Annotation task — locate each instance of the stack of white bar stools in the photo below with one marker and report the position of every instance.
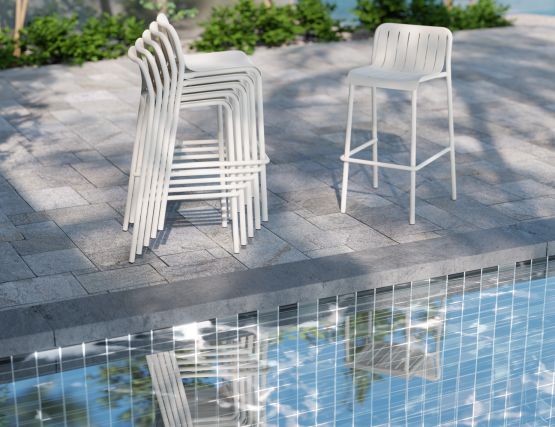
(230, 168)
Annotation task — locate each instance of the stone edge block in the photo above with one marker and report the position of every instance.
(138, 310)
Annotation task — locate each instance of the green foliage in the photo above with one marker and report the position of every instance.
(276, 25)
(56, 39)
(481, 14)
(314, 17)
(48, 40)
(429, 12)
(172, 10)
(230, 28)
(7, 46)
(246, 25)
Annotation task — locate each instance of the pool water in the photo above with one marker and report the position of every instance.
(476, 348)
(344, 8)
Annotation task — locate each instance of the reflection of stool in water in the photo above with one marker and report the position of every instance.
(234, 361)
(399, 360)
(411, 358)
(169, 390)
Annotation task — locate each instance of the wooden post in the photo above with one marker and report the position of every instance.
(163, 6)
(20, 13)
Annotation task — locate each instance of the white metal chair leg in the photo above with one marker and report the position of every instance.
(412, 218)
(242, 219)
(451, 139)
(347, 149)
(262, 142)
(129, 215)
(235, 226)
(375, 137)
(223, 201)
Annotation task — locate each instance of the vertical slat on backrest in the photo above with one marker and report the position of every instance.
(402, 44)
(412, 50)
(380, 45)
(431, 52)
(421, 51)
(441, 53)
(391, 48)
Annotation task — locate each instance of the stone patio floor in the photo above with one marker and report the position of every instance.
(66, 135)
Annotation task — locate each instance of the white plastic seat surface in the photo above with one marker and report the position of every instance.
(202, 62)
(387, 79)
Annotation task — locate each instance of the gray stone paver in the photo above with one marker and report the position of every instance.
(28, 218)
(39, 290)
(12, 265)
(53, 198)
(66, 136)
(120, 278)
(58, 261)
(44, 244)
(8, 233)
(98, 236)
(66, 217)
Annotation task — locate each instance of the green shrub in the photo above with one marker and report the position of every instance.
(246, 25)
(429, 12)
(276, 26)
(54, 39)
(315, 19)
(7, 46)
(230, 28)
(48, 40)
(482, 14)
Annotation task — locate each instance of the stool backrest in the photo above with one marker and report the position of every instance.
(412, 48)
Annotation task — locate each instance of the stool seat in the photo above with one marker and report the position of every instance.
(387, 79)
(203, 62)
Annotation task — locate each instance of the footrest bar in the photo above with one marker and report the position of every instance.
(373, 163)
(431, 159)
(363, 146)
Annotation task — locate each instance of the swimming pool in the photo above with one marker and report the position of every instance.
(542, 7)
(476, 348)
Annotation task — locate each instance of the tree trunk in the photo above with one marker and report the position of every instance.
(105, 7)
(163, 6)
(20, 13)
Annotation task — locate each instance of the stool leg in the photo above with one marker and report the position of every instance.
(221, 148)
(412, 218)
(375, 137)
(451, 139)
(347, 149)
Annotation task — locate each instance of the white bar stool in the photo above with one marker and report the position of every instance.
(403, 57)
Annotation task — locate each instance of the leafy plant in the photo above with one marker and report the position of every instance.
(7, 45)
(276, 25)
(54, 39)
(171, 9)
(230, 28)
(315, 19)
(246, 25)
(481, 14)
(48, 39)
(429, 12)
